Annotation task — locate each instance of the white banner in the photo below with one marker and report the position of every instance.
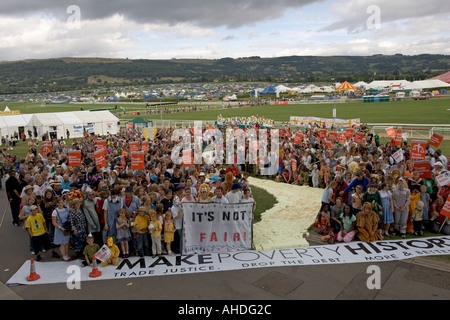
(89, 127)
(353, 252)
(212, 227)
(443, 179)
(398, 156)
(78, 130)
(300, 121)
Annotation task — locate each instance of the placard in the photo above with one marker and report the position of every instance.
(100, 160)
(298, 138)
(398, 156)
(144, 146)
(100, 145)
(446, 208)
(137, 160)
(424, 169)
(187, 158)
(134, 146)
(349, 133)
(342, 137)
(443, 179)
(398, 138)
(46, 148)
(333, 136)
(418, 149)
(436, 140)
(390, 132)
(74, 157)
(359, 136)
(322, 133)
(103, 253)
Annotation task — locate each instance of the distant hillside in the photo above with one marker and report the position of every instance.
(78, 73)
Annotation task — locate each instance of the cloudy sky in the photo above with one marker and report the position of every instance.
(156, 29)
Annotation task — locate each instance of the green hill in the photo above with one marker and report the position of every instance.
(78, 73)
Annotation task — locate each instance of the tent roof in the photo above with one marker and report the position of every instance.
(427, 84)
(387, 83)
(346, 86)
(68, 118)
(16, 120)
(88, 116)
(268, 89)
(46, 119)
(443, 77)
(105, 115)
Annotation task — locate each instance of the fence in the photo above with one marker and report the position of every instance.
(412, 131)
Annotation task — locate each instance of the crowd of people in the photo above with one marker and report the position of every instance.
(83, 207)
(367, 194)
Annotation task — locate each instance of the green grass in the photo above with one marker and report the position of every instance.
(433, 111)
(264, 201)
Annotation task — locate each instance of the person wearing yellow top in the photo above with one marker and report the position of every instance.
(155, 229)
(142, 221)
(37, 229)
(169, 231)
(115, 252)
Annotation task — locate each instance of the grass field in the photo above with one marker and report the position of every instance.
(433, 111)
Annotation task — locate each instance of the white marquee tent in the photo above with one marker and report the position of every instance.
(98, 122)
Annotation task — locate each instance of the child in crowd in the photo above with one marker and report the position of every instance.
(123, 231)
(417, 217)
(89, 251)
(142, 221)
(169, 230)
(37, 229)
(155, 229)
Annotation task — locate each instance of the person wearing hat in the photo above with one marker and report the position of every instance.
(235, 195)
(56, 185)
(367, 223)
(131, 202)
(438, 168)
(27, 192)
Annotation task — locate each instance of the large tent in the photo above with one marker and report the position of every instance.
(346, 86)
(56, 124)
(443, 77)
(268, 89)
(426, 84)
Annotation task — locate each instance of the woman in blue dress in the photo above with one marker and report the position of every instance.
(388, 208)
(111, 207)
(62, 237)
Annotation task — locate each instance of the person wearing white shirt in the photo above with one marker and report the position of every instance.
(235, 195)
(248, 199)
(219, 198)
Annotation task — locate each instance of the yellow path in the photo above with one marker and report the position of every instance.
(285, 224)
